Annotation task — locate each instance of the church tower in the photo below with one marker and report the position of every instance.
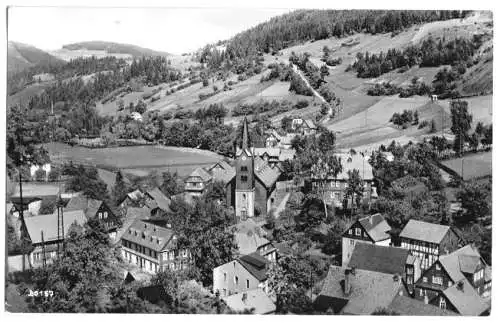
(245, 182)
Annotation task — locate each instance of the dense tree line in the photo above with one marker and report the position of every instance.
(153, 70)
(415, 88)
(264, 106)
(430, 53)
(406, 118)
(305, 25)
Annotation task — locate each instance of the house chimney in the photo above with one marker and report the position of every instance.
(347, 282)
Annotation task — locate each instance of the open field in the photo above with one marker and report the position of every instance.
(370, 128)
(378, 114)
(481, 108)
(140, 158)
(475, 165)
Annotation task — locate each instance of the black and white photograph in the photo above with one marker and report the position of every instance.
(248, 160)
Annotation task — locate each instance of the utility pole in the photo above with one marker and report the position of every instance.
(21, 216)
(44, 262)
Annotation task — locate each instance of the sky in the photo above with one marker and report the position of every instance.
(174, 30)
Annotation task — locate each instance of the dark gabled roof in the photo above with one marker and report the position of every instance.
(222, 171)
(309, 123)
(26, 200)
(255, 264)
(424, 231)
(376, 226)
(384, 259)
(369, 289)
(201, 173)
(161, 200)
(265, 173)
(48, 224)
(81, 202)
(406, 306)
(149, 235)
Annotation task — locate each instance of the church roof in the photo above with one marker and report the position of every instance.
(222, 171)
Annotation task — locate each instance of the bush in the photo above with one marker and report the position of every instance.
(301, 104)
(54, 175)
(40, 175)
(147, 95)
(333, 62)
(423, 123)
(47, 207)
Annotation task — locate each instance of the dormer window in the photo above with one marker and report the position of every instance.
(358, 231)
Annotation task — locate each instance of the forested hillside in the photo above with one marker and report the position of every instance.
(306, 25)
(111, 47)
(21, 56)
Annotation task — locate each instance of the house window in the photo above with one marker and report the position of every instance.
(437, 280)
(244, 178)
(438, 267)
(409, 270)
(244, 168)
(350, 231)
(449, 283)
(105, 214)
(358, 231)
(248, 283)
(236, 280)
(352, 242)
(225, 277)
(421, 292)
(442, 303)
(424, 279)
(224, 291)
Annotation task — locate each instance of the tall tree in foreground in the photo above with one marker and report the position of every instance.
(354, 188)
(87, 277)
(22, 152)
(203, 228)
(326, 167)
(460, 123)
(120, 188)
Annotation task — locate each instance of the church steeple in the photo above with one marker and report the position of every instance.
(245, 141)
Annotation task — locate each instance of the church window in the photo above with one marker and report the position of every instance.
(244, 168)
(244, 178)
